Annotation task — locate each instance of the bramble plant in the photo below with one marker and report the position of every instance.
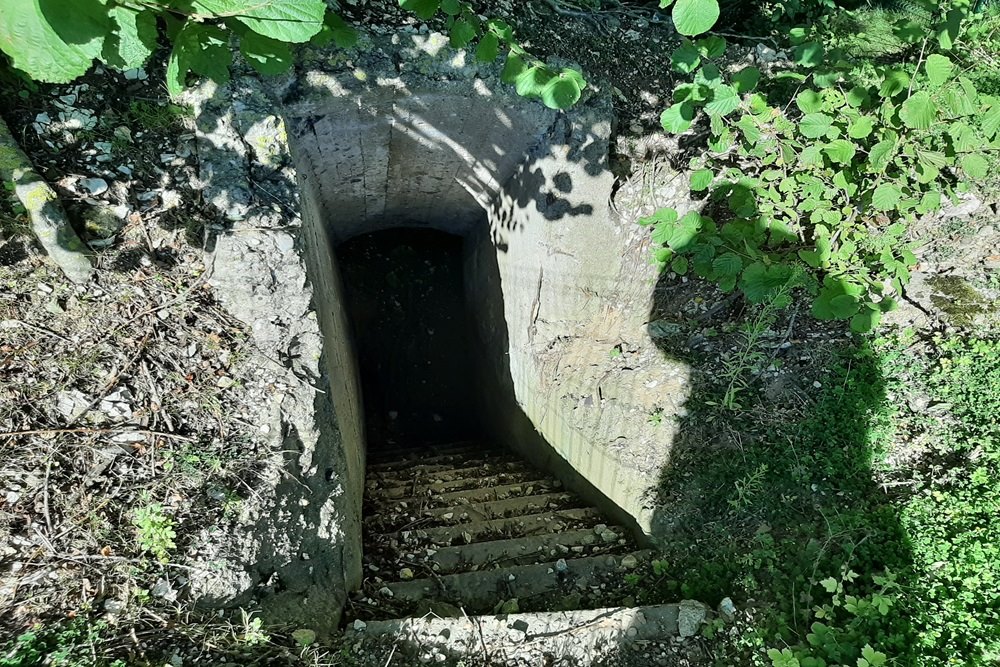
(823, 163)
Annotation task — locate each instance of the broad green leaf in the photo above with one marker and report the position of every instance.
(860, 128)
(880, 155)
(809, 54)
(267, 56)
(815, 125)
(939, 68)
(677, 117)
(563, 90)
(133, 40)
(886, 196)
(667, 215)
(488, 49)
(844, 306)
(701, 179)
(975, 165)
(990, 121)
(865, 321)
(727, 264)
(462, 32)
(40, 44)
(950, 30)
(724, 101)
(693, 17)
(858, 96)
(425, 9)
(344, 34)
(746, 79)
(709, 75)
(759, 281)
(840, 151)
(919, 111)
(684, 231)
(532, 80)
(809, 101)
(293, 21)
(685, 58)
(811, 155)
(679, 265)
(451, 7)
(712, 46)
(513, 67)
(931, 201)
(894, 82)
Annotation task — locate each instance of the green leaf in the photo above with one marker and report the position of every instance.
(701, 179)
(727, 264)
(919, 111)
(488, 49)
(533, 80)
(974, 165)
(760, 281)
(41, 44)
(815, 125)
(809, 54)
(894, 82)
(685, 58)
(679, 265)
(563, 90)
(451, 7)
(858, 96)
(990, 121)
(667, 215)
(693, 17)
(293, 21)
(939, 68)
(746, 79)
(724, 101)
(712, 47)
(684, 231)
(133, 40)
(344, 34)
(840, 151)
(677, 117)
(809, 101)
(950, 30)
(866, 320)
(880, 155)
(886, 196)
(425, 9)
(267, 56)
(462, 32)
(513, 67)
(860, 128)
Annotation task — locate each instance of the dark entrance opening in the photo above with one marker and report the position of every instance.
(406, 301)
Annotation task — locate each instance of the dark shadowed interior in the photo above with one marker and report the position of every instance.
(406, 302)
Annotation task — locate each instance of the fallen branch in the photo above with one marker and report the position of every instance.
(95, 431)
(48, 220)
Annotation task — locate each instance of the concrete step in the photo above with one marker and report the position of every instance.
(526, 550)
(479, 531)
(536, 587)
(418, 451)
(408, 518)
(582, 637)
(445, 473)
(428, 498)
(435, 483)
(441, 462)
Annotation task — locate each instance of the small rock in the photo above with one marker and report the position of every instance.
(690, 617)
(561, 566)
(163, 589)
(406, 574)
(225, 382)
(360, 625)
(727, 610)
(385, 591)
(609, 536)
(510, 607)
(114, 606)
(630, 562)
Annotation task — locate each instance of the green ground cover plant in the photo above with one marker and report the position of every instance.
(875, 541)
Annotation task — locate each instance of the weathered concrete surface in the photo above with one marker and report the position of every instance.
(407, 132)
(558, 638)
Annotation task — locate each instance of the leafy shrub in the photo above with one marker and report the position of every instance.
(154, 530)
(68, 644)
(824, 163)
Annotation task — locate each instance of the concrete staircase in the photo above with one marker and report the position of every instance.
(467, 548)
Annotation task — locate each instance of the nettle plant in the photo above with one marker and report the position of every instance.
(822, 163)
(57, 41)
